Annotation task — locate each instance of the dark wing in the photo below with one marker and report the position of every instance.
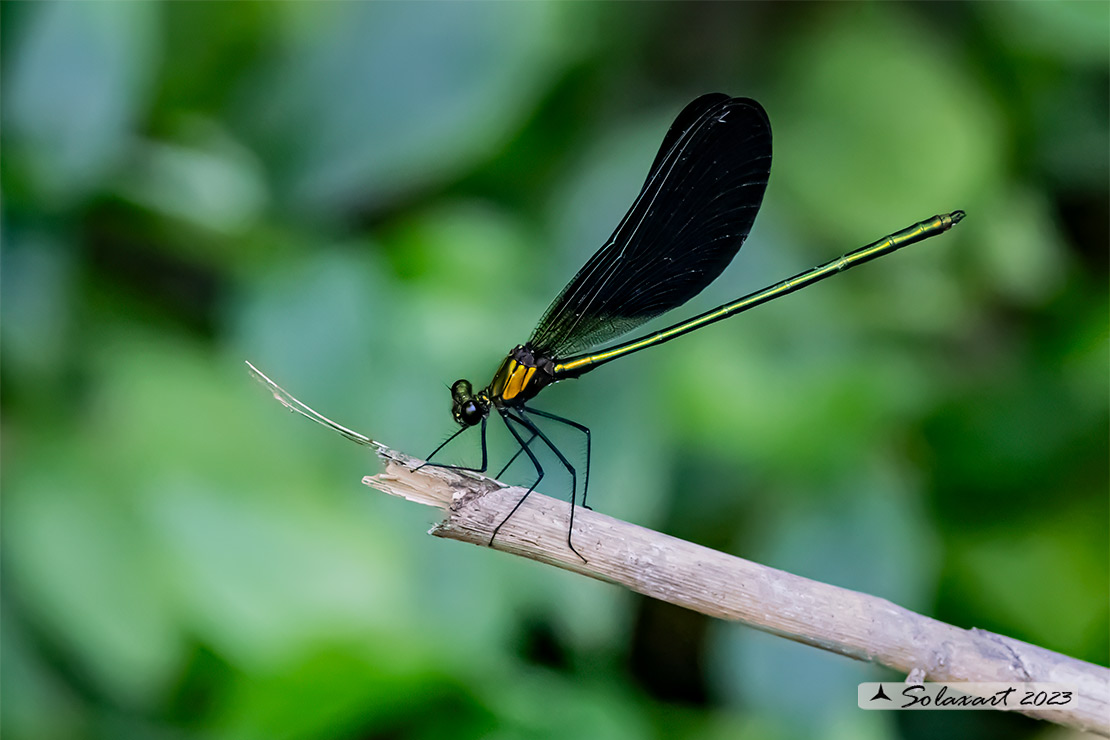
(689, 220)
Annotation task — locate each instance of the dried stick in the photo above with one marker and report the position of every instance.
(836, 619)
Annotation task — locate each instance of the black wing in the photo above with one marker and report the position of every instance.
(689, 220)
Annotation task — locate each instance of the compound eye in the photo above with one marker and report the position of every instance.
(470, 414)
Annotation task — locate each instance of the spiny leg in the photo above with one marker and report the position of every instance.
(580, 427)
(531, 426)
(458, 467)
(535, 462)
(515, 456)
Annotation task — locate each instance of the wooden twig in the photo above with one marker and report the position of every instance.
(836, 619)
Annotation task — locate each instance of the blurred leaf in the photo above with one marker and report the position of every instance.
(874, 121)
(37, 282)
(236, 565)
(1046, 585)
(538, 704)
(1070, 133)
(867, 534)
(796, 407)
(209, 180)
(36, 704)
(1070, 30)
(752, 668)
(313, 319)
(94, 587)
(381, 98)
(331, 693)
(1019, 246)
(77, 87)
(456, 257)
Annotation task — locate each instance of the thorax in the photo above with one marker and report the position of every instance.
(523, 374)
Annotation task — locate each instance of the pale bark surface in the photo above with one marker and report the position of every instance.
(842, 621)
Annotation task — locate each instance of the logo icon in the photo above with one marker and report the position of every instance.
(880, 694)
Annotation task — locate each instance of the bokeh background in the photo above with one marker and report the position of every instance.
(372, 200)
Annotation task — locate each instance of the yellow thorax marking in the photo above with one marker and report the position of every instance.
(517, 380)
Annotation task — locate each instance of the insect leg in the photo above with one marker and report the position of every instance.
(458, 467)
(580, 427)
(531, 456)
(515, 456)
(531, 426)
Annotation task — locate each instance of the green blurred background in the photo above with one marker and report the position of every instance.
(370, 201)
